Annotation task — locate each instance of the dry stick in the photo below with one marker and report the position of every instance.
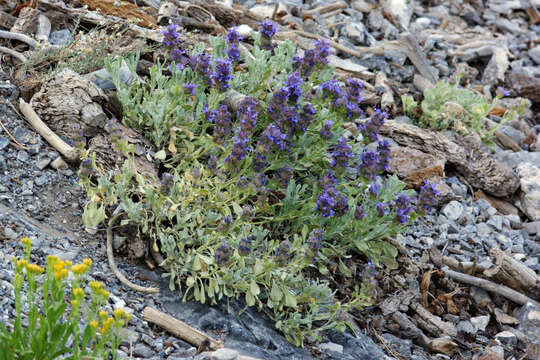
(117, 273)
(327, 8)
(180, 329)
(21, 37)
(17, 144)
(69, 152)
(13, 53)
(502, 290)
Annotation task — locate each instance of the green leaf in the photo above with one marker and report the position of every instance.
(275, 293)
(160, 155)
(290, 299)
(254, 288)
(258, 268)
(250, 299)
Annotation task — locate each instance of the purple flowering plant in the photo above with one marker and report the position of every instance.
(259, 179)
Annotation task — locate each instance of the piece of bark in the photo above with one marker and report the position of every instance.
(408, 44)
(514, 274)
(327, 8)
(525, 85)
(443, 345)
(180, 329)
(476, 165)
(7, 20)
(122, 9)
(504, 207)
(445, 327)
(43, 29)
(502, 290)
(534, 17)
(421, 83)
(67, 151)
(506, 142)
(496, 68)
(95, 18)
(387, 98)
(26, 23)
(410, 328)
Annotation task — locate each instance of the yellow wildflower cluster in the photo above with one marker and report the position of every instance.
(26, 241)
(34, 269)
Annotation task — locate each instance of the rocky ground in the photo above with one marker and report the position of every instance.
(424, 310)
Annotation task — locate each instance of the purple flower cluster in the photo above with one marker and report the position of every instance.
(171, 36)
(359, 212)
(245, 245)
(284, 175)
(369, 279)
(373, 163)
(272, 139)
(221, 118)
(79, 140)
(313, 58)
(328, 180)
(374, 188)
(212, 164)
(268, 29)
(282, 251)
(314, 243)
(347, 99)
(247, 212)
(86, 167)
(223, 254)
(189, 88)
(341, 154)
(427, 198)
(233, 40)
(331, 203)
(326, 131)
(370, 129)
(222, 74)
(382, 208)
(225, 223)
(247, 115)
(404, 208)
(259, 162)
(167, 181)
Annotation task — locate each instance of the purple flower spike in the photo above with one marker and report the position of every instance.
(268, 28)
(382, 208)
(222, 74)
(427, 198)
(171, 35)
(341, 154)
(233, 40)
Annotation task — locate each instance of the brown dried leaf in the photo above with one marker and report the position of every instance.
(424, 287)
(504, 318)
(172, 142)
(443, 345)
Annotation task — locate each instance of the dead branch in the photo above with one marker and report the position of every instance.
(13, 53)
(17, 144)
(116, 271)
(20, 37)
(444, 326)
(66, 150)
(327, 8)
(502, 290)
(514, 274)
(180, 329)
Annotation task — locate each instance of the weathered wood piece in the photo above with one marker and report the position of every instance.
(69, 152)
(476, 165)
(514, 274)
(20, 37)
(13, 53)
(180, 329)
(445, 327)
(502, 290)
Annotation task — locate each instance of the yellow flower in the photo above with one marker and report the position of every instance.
(95, 285)
(104, 293)
(68, 263)
(61, 274)
(103, 315)
(75, 303)
(78, 293)
(34, 269)
(22, 263)
(107, 325)
(26, 241)
(52, 260)
(119, 313)
(79, 269)
(94, 324)
(87, 262)
(59, 266)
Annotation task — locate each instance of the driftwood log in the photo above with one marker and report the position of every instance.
(502, 290)
(514, 274)
(180, 329)
(475, 164)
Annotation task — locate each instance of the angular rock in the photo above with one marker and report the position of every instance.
(497, 66)
(526, 85)
(534, 54)
(331, 346)
(506, 338)
(529, 324)
(453, 210)
(480, 322)
(225, 354)
(530, 186)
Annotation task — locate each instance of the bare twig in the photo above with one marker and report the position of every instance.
(180, 329)
(21, 37)
(69, 152)
(117, 273)
(13, 53)
(18, 144)
(327, 8)
(502, 290)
